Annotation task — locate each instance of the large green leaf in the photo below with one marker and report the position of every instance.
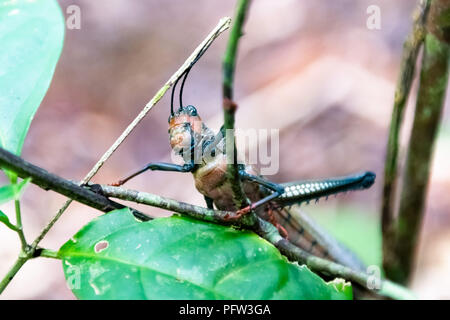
(31, 39)
(117, 257)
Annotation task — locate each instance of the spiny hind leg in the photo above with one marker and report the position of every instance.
(209, 202)
(305, 191)
(157, 166)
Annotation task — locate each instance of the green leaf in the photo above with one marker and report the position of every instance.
(31, 37)
(4, 218)
(117, 257)
(12, 191)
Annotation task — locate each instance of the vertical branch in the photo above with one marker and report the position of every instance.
(411, 49)
(430, 102)
(229, 107)
(12, 272)
(19, 226)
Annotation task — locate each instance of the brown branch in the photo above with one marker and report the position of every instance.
(411, 50)
(430, 102)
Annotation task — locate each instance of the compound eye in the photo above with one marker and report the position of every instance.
(191, 110)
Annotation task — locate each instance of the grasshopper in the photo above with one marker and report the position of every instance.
(205, 156)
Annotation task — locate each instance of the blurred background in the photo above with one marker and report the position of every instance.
(311, 69)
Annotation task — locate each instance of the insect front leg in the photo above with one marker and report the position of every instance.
(158, 166)
(209, 202)
(262, 181)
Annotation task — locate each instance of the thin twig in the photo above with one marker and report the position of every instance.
(229, 107)
(163, 203)
(10, 225)
(411, 50)
(223, 25)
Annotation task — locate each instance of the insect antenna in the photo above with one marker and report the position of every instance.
(182, 85)
(185, 74)
(172, 95)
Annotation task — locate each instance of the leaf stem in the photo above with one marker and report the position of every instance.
(12, 272)
(19, 227)
(47, 253)
(10, 226)
(24, 257)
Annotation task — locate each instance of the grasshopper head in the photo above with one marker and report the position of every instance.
(185, 129)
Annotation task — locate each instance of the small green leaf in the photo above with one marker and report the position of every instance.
(3, 217)
(12, 191)
(31, 37)
(117, 257)
(5, 220)
(11, 175)
(7, 193)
